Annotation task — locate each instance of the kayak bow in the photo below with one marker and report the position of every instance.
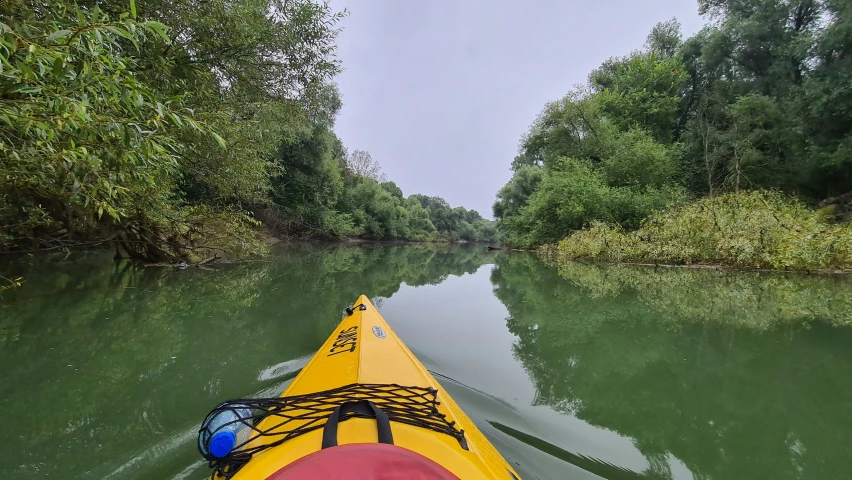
(365, 385)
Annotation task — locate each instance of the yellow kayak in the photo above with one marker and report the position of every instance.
(363, 407)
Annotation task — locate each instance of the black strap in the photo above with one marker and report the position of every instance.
(361, 408)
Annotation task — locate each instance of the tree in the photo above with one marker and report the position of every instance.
(638, 160)
(513, 196)
(175, 129)
(420, 225)
(755, 100)
(136, 148)
(642, 90)
(665, 39)
(361, 164)
(756, 142)
(573, 126)
(392, 189)
(574, 193)
(466, 231)
(88, 149)
(307, 185)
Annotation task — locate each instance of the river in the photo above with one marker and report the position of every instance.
(576, 372)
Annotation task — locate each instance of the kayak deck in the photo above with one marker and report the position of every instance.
(363, 359)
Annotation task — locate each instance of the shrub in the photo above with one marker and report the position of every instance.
(573, 194)
(756, 229)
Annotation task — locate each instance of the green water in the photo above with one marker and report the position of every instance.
(579, 372)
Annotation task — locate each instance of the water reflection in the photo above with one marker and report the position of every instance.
(739, 376)
(107, 362)
(573, 372)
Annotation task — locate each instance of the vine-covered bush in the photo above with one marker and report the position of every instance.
(756, 229)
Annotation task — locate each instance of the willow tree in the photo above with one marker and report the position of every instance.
(152, 127)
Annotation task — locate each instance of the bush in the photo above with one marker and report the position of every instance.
(574, 194)
(757, 229)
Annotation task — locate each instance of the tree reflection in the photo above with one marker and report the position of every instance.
(740, 376)
(101, 359)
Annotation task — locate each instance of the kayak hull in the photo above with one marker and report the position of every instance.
(364, 350)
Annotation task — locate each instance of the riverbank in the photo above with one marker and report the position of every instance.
(550, 255)
(11, 280)
(746, 230)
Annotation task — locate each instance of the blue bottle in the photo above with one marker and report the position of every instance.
(224, 429)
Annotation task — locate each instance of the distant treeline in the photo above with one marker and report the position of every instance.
(176, 128)
(758, 100)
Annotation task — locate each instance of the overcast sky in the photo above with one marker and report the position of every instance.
(440, 91)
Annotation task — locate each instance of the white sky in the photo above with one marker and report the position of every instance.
(440, 91)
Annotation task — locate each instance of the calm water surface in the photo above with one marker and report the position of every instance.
(578, 372)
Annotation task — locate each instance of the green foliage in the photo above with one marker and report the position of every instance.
(419, 219)
(755, 100)
(456, 223)
(572, 194)
(571, 127)
(392, 189)
(84, 142)
(376, 213)
(747, 229)
(113, 131)
(756, 139)
(379, 211)
(642, 90)
(230, 231)
(513, 196)
(307, 183)
(178, 124)
(637, 160)
(665, 39)
(597, 163)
